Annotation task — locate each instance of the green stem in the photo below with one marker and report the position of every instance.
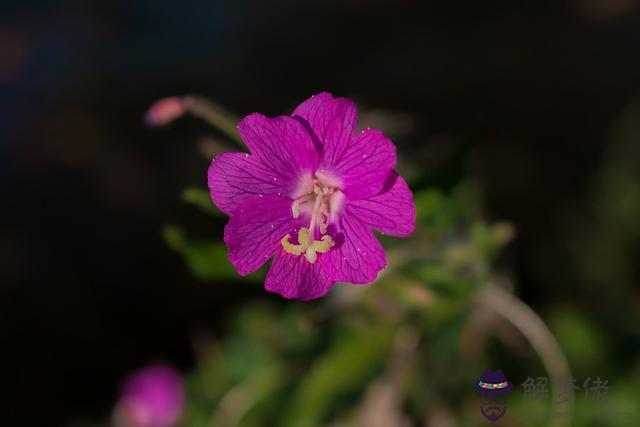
(215, 115)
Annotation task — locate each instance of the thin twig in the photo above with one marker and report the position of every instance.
(543, 342)
(213, 114)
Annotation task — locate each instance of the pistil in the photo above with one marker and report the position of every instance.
(307, 245)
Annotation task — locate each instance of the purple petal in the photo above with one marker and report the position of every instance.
(333, 120)
(283, 144)
(392, 211)
(236, 177)
(357, 256)
(365, 165)
(255, 229)
(294, 277)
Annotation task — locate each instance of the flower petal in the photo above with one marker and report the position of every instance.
(333, 121)
(254, 231)
(294, 277)
(365, 165)
(357, 256)
(392, 211)
(234, 178)
(283, 144)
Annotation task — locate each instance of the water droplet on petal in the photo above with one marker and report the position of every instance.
(275, 179)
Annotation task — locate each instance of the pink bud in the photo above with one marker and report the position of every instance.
(152, 397)
(164, 111)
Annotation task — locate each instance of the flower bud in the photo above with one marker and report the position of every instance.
(152, 397)
(164, 111)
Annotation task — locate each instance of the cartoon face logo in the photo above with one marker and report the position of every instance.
(493, 390)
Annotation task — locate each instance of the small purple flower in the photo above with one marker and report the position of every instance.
(152, 397)
(309, 196)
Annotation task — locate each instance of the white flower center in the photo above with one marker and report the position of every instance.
(320, 197)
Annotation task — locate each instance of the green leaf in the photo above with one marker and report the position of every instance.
(442, 212)
(240, 400)
(346, 368)
(443, 281)
(435, 210)
(580, 339)
(200, 198)
(207, 260)
(272, 329)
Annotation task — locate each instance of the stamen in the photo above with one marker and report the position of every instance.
(324, 219)
(323, 193)
(314, 215)
(295, 210)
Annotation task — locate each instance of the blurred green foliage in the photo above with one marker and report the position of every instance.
(205, 258)
(309, 364)
(408, 349)
(200, 198)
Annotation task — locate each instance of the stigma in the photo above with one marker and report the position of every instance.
(307, 245)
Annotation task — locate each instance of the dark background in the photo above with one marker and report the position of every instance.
(88, 289)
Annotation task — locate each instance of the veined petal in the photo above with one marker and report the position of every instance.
(333, 121)
(294, 277)
(392, 211)
(365, 165)
(357, 256)
(283, 144)
(234, 178)
(255, 229)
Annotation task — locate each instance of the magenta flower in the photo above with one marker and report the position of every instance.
(152, 397)
(309, 196)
